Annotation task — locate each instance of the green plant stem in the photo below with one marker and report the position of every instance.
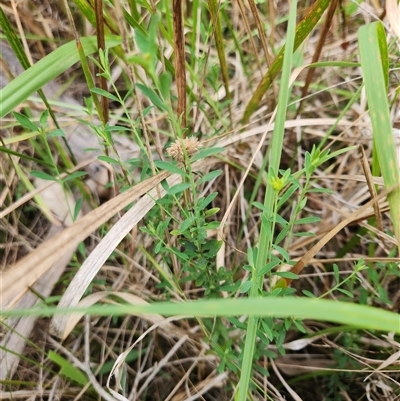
(266, 232)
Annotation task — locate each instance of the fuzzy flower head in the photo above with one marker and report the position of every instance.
(176, 150)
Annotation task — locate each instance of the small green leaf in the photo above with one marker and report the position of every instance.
(155, 99)
(299, 326)
(158, 247)
(267, 330)
(345, 292)
(209, 176)
(113, 128)
(308, 220)
(108, 159)
(202, 154)
(282, 234)
(252, 255)
(77, 208)
(24, 157)
(212, 247)
(172, 168)
(308, 293)
(178, 188)
(203, 203)
(248, 268)
(276, 291)
(165, 186)
(43, 118)
(56, 133)
(211, 212)
(282, 252)
(268, 267)
(26, 122)
(165, 85)
(68, 369)
(336, 273)
(106, 94)
(186, 224)
(74, 175)
(288, 194)
(42, 175)
(260, 206)
(289, 275)
(212, 225)
(245, 287)
(145, 42)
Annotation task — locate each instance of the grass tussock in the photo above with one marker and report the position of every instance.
(212, 188)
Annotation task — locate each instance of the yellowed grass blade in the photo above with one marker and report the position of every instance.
(100, 254)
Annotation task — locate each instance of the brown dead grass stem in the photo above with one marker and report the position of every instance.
(180, 68)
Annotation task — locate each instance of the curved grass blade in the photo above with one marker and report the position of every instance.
(374, 64)
(274, 154)
(355, 315)
(13, 40)
(45, 71)
(19, 51)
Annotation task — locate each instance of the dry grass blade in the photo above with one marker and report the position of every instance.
(260, 30)
(196, 392)
(14, 340)
(18, 278)
(294, 395)
(180, 68)
(242, 9)
(94, 262)
(393, 15)
(115, 371)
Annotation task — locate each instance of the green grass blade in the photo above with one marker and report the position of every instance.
(45, 71)
(85, 8)
(68, 369)
(302, 31)
(374, 63)
(13, 40)
(355, 315)
(264, 241)
(19, 51)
